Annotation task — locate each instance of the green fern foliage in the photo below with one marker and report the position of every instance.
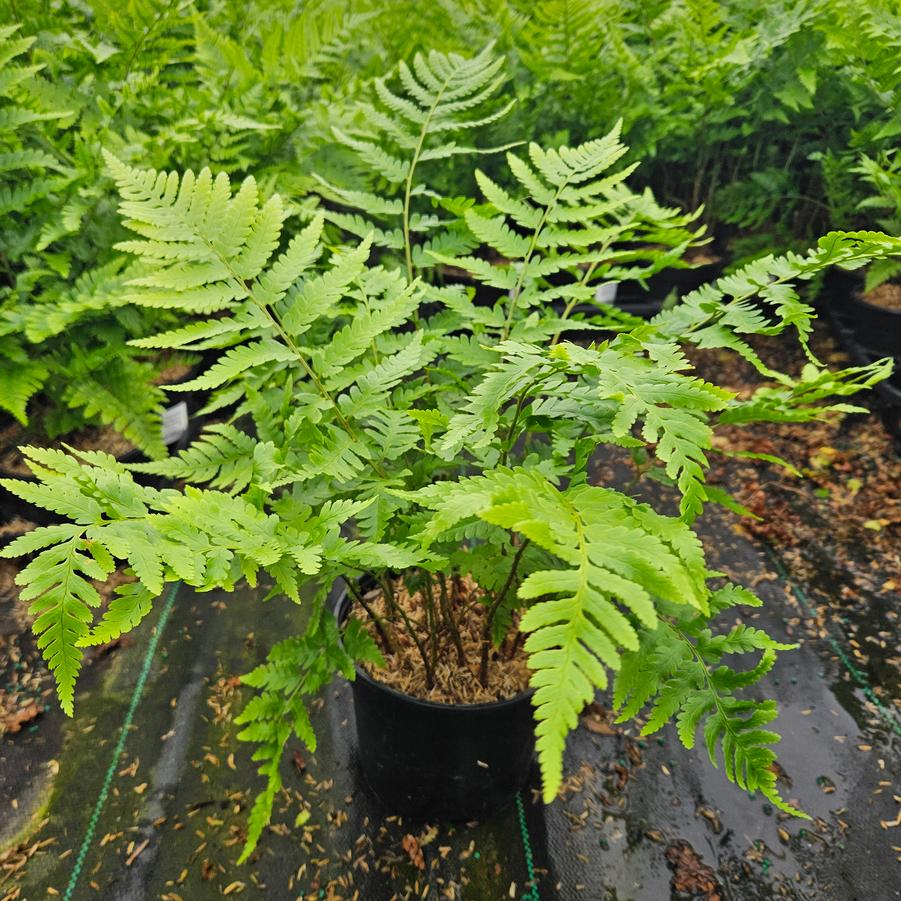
(417, 118)
(28, 174)
(616, 558)
(204, 538)
(678, 669)
(568, 231)
(374, 422)
(562, 39)
(883, 175)
(224, 457)
(28, 171)
(295, 668)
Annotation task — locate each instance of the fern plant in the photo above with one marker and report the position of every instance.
(29, 173)
(883, 175)
(357, 443)
(163, 85)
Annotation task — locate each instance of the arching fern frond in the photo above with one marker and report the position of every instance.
(204, 538)
(617, 559)
(721, 312)
(672, 407)
(294, 670)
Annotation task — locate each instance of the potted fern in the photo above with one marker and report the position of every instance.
(434, 453)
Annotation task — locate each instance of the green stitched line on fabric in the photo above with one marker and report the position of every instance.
(120, 744)
(532, 892)
(859, 677)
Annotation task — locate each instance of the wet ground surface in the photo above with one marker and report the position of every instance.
(640, 819)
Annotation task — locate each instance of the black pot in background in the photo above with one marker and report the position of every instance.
(877, 329)
(867, 333)
(440, 761)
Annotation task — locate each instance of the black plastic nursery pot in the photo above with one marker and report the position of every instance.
(434, 761)
(867, 333)
(878, 329)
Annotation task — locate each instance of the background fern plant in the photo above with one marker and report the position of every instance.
(376, 424)
(164, 85)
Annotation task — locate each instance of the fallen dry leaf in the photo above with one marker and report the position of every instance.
(596, 719)
(13, 722)
(134, 854)
(410, 844)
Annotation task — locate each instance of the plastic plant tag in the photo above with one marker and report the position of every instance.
(606, 293)
(175, 422)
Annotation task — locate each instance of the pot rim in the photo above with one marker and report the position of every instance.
(342, 609)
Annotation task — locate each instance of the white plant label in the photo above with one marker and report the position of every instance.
(606, 293)
(175, 422)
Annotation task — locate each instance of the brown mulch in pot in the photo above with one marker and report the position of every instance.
(887, 296)
(454, 683)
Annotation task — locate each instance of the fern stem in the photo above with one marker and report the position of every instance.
(567, 310)
(408, 185)
(449, 621)
(431, 619)
(510, 438)
(492, 612)
(292, 346)
(380, 625)
(533, 242)
(271, 315)
(717, 700)
(396, 608)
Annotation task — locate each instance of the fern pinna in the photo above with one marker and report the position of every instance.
(363, 433)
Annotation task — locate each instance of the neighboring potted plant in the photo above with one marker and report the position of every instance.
(865, 311)
(439, 464)
(874, 307)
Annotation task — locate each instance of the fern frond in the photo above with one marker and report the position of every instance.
(381, 314)
(119, 393)
(202, 244)
(58, 584)
(415, 121)
(569, 221)
(205, 538)
(131, 603)
(724, 304)
(677, 669)
(294, 669)
(20, 380)
(521, 368)
(223, 457)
